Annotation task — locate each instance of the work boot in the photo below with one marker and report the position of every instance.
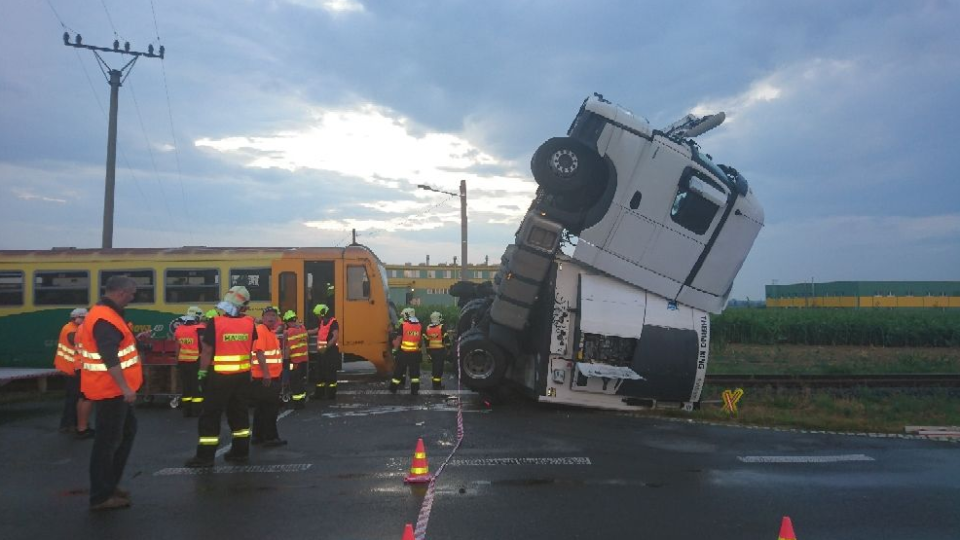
(239, 450)
(319, 391)
(332, 391)
(204, 457)
(414, 389)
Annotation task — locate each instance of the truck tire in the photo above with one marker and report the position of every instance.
(471, 314)
(564, 165)
(482, 363)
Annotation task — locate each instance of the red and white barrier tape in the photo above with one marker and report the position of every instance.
(420, 533)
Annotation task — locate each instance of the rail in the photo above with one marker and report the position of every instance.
(900, 380)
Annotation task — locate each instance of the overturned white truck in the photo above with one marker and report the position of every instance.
(661, 232)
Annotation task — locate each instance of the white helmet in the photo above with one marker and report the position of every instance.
(408, 313)
(436, 317)
(79, 312)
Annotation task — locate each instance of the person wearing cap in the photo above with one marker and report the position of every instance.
(76, 409)
(224, 376)
(328, 336)
(437, 341)
(265, 383)
(295, 355)
(409, 355)
(187, 351)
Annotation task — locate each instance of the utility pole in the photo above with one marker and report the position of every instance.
(463, 221)
(114, 80)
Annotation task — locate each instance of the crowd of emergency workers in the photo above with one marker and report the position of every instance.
(227, 363)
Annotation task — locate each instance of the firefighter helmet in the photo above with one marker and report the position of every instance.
(408, 313)
(290, 315)
(194, 311)
(320, 310)
(79, 312)
(436, 317)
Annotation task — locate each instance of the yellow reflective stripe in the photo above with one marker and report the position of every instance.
(395, 381)
(231, 357)
(321, 343)
(198, 400)
(103, 367)
(419, 470)
(298, 397)
(241, 433)
(321, 385)
(64, 348)
(297, 337)
(209, 441)
(231, 367)
(186, 400)
(127, 350)
(415, 380)
(332, 384)
(436, 379)
(296, 354)
(409, 346)
(273, 360)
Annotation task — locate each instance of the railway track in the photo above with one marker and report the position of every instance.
(928, 380)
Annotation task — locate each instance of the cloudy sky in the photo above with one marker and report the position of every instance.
(291, 122)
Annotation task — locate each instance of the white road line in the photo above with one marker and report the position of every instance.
(805, 459)
(373, 411)
(401, 392)
(223, 450)
(229, 469)
(488, 462)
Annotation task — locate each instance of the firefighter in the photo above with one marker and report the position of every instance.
(295, 355)
(409, 355)
(187, 351)
(437, 342)
(76, 409)
(111, 375)
(265, 383)
(226, 347)
(328, 335)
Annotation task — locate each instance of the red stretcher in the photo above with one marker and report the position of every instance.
(160, 378)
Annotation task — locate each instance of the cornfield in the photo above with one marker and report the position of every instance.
(864, 327)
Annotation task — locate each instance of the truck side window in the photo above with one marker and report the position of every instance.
(696, 203)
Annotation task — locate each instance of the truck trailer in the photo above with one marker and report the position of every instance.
(623, 322)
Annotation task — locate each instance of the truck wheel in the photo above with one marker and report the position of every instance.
(470, 314)
(564, 165)
(481, 361)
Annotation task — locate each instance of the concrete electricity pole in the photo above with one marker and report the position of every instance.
(115, 81)
(463, 221)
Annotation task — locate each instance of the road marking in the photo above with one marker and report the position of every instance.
(401, 392)
(223, 450)
(437, 407)
(488, 462)
(805, 459)
(230, 469)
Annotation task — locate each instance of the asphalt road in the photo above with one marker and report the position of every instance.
(523, 471)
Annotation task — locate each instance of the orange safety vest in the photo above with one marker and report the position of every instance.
(189, 339)
(434, 336)
(66, 352)
(267, 342)
(411, 337)
(297, 339)
(234, 341)
(96, 383)
(323, 333)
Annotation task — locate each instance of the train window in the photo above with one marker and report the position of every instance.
(288, 291)
(256, 280)
(61, 288)
(146, 287)
(11, 288)
(358, 283)
(192, 285)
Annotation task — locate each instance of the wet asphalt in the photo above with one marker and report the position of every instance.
(523, 471)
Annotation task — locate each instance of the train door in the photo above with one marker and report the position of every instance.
(287, 295)
(319, 287)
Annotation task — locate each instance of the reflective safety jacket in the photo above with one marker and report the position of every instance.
(96, 383)
(323, 333)
(410, 339)
(434, 335)
(297, 340)
(188, 337)
(65, 360)
(267, 342)
(232, 345)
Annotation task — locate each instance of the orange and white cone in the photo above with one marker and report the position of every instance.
(419, 470)
(786, 529)
(408, 533)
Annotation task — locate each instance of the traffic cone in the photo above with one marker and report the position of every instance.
(786, 529)
(408, 533)
(419, 470)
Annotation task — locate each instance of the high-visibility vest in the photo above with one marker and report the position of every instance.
(96, 383)
(65, 360)
(434, 335)
(323, 333)
(189, 339)
(233, 343)
(267, 342)
(297, 340)
(411, 336)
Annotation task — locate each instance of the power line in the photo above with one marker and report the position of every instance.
(109, 18)
(146, 138)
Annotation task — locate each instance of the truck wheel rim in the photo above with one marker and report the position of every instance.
(564, 162)
(479, 364)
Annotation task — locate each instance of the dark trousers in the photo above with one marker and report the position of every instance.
(437, 358)
(327, 381)
(407, 361)
(230, 394)
(71, 389)
(298, 383)
(190, 397)
(266, 406)
(116, 429)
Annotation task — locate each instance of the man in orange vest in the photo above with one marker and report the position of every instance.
(328, 337)
(265, 386)
(110, 377)
(409, 355)
(225, 353)
(187, 351)
(436, 339)
(295, 354)
(76, 409)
